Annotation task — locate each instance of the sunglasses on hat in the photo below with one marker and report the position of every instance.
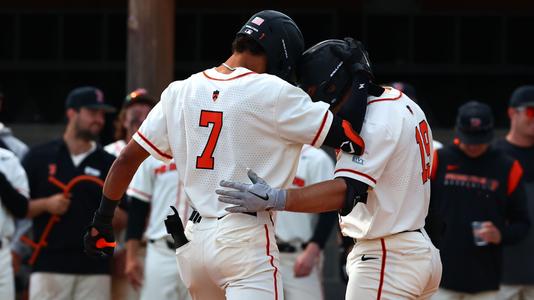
(529, 111)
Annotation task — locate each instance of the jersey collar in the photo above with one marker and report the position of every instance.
(215, 75)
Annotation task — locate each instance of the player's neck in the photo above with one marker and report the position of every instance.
(75, 144)
(517, 139)
(255, 63)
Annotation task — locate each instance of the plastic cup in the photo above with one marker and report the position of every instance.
(477, 225)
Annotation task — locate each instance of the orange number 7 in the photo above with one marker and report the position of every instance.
(206, 160)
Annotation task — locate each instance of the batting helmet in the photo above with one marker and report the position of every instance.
(279, 37)
(322, 74)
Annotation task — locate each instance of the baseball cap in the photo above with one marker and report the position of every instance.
(89, 97)
(474, 123)
(140, 96)
(522, 96)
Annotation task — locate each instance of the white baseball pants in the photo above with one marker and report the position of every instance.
(400, 266)
(7, 283)
(56, 286)
(235, 256)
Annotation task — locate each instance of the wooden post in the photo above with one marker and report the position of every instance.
(150, 45)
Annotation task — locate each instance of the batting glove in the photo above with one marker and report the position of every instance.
(258, 196)
(356, 56)
(102, 242)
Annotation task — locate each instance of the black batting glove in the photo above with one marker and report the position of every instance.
(99, 239)
(355, 57)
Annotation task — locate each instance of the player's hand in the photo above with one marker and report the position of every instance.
(134, 272)
(258, 196)
(356, 57)
(99, 239)
(57, 204)
(489, 233)
(307, 260)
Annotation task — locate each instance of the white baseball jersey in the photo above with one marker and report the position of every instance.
(216, 125)
(395, 165)
(115, 148)
(314, 166)
(15, 174)
(159, 184)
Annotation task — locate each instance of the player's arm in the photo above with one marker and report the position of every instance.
(99, 241)
(13, 200)
(137, 215)
(516, 208)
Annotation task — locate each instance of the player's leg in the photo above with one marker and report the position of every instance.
(246, 258)
(189, 259)
(7, 284)
(51, 286)
(400, 266)
(295, 288)
(510, 292)
(435, 277)
(161, 279)
(94, 287)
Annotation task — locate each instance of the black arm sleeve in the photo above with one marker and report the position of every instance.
(356, 192)
(353, 110)
(324, 226)
(137, 214)
(517, 216)
(15, 202)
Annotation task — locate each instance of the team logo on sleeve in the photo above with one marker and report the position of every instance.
(357, 159)
(215, 95)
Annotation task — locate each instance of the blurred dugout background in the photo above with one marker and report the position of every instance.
(450, 51)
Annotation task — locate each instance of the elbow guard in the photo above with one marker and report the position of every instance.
(342, 136)
(356, 192)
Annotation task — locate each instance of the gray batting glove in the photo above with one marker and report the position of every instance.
(258, 196)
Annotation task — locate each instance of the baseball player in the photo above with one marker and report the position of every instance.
(14, 192)
(214, 124)
(301, 237)
(155, 188)
(382, 196)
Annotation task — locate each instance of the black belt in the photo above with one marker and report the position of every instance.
(167, 242)
(195, 217)
(289, 248)
(415, 230)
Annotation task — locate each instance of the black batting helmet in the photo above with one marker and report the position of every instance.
(322, 74)
(279, 37)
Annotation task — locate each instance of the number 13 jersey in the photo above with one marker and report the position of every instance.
(395, 165)
(216, 125)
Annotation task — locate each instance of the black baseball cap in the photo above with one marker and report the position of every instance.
(88, 97)
(522, 96)
(474, 123)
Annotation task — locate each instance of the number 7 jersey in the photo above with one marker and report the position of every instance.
(396, 166)
(216, 125)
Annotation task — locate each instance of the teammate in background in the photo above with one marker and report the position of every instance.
(477, 207)
(13, 198)
(382, 196)
(135, 108)
(518, 261)
(301, 237)
(62, 270)
(155, 187)
(19, 250)
(214, 124)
